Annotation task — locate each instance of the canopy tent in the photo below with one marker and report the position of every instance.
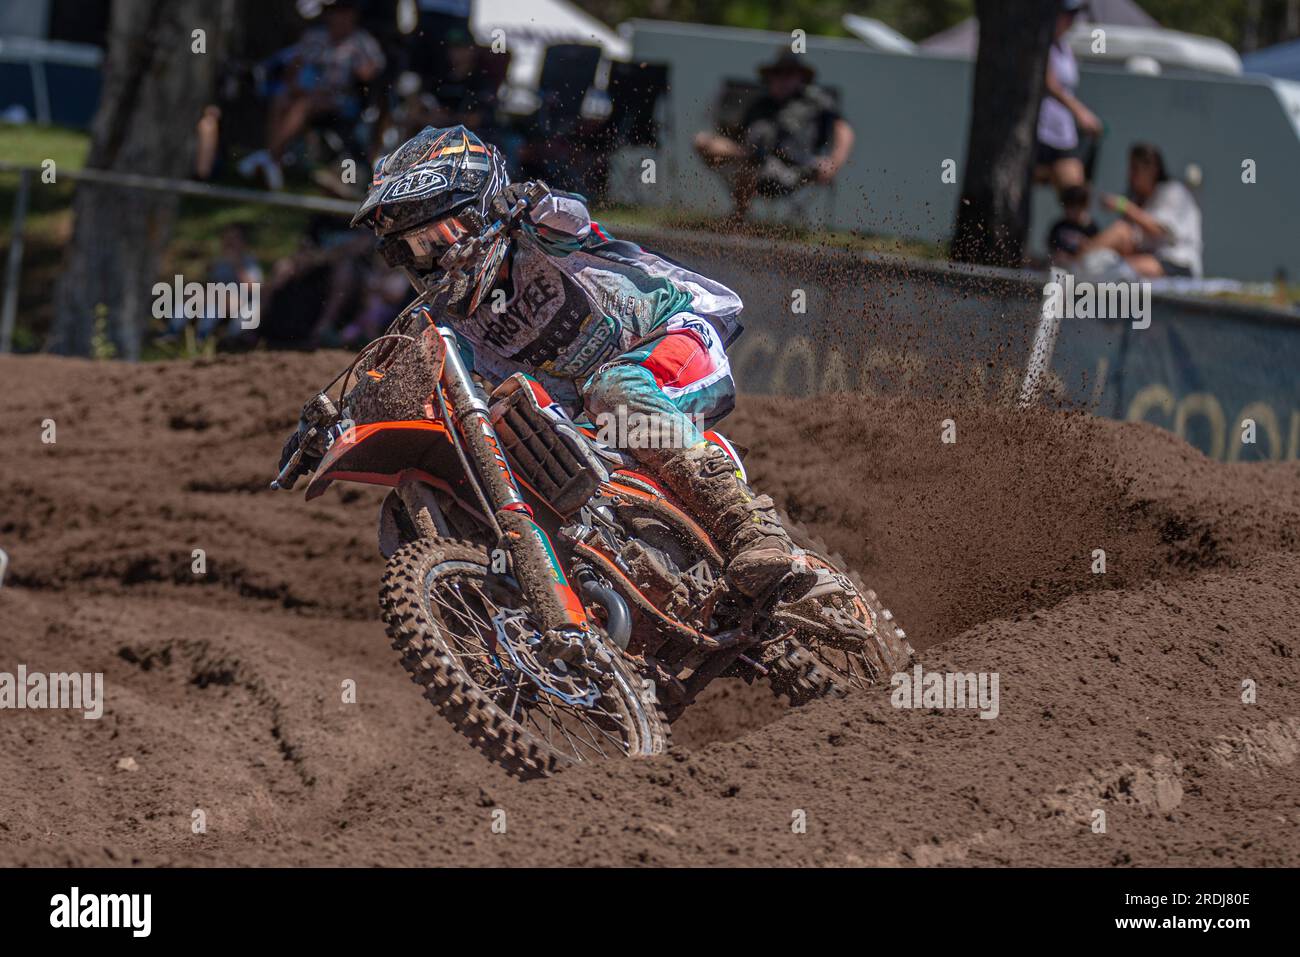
(963, 39)
(528, 27)
(1168, 49)
(1281, 60)
(877, 35)
(1133, 39)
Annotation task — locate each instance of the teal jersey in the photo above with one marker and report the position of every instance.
(575, 299)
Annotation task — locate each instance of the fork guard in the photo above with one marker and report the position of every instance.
(544, 446)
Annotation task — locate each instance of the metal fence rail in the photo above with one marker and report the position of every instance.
(185, 187)
(27, 175)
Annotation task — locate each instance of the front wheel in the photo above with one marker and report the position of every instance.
(466, 638)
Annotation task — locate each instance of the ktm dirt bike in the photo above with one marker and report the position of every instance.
(552, 600)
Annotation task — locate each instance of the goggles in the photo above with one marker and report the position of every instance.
(437, 237)
(424, 245)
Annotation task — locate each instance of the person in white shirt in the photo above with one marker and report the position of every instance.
(1061, 116)
(1158, 232)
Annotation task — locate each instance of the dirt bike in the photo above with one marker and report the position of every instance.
(551, 599)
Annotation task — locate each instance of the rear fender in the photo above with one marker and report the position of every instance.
(626, 485)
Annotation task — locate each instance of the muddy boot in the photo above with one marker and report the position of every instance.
(744, 525)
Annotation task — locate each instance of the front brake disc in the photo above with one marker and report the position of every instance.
(522, 643)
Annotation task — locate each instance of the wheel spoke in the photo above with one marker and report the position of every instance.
(584, 720)
(470, 622)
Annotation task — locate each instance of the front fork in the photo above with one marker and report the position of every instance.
(536, 565)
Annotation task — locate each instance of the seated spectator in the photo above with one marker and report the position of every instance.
(1062, 118)
(464, 94)
(1071, 231)
(385, 292)
(312, 290)
(320, 86)
(234, 263)
(789, 136)
(1158, 232)
(439, 20)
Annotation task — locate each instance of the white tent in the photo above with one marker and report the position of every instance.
(528, 27)
(963, 39)
(1170, 49)
(877, 35)
(1132, 39)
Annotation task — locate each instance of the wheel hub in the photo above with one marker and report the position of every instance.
(522, 643)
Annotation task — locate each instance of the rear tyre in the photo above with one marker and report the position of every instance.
(798, 675)
(466, 640)
(860, 643)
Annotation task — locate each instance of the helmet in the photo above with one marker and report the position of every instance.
(433, 191)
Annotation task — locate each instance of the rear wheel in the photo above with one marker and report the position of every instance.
(466, 639)
(842, 624)
(797, 674)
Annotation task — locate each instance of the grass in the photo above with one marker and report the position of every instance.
(274, 231)
(49, 220)
(31, 145)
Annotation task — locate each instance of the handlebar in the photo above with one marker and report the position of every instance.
(288, 476)
(464, 251)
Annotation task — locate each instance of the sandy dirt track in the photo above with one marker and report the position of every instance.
(1119, 692)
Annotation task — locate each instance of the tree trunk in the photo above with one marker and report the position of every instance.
(1250, 30)
(993, 216)
(154, 88)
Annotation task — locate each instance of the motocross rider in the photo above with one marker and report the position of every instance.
(605, 326)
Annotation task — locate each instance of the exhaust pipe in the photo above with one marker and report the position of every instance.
(618, 615)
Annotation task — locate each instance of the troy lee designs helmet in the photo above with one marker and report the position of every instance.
(433, 191)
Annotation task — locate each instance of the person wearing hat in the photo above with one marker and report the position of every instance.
(1061, 116)
(789, 136)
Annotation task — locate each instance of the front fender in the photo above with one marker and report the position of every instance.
(381, 453)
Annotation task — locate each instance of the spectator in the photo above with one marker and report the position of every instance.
(1069, 234)
(385, 292)
(1158, 232)
(1061, 117)
(234, 263)
(323, 74)
(790, 135)
(310, 291)
(465, 93)
(207, 143)
(438, 21)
